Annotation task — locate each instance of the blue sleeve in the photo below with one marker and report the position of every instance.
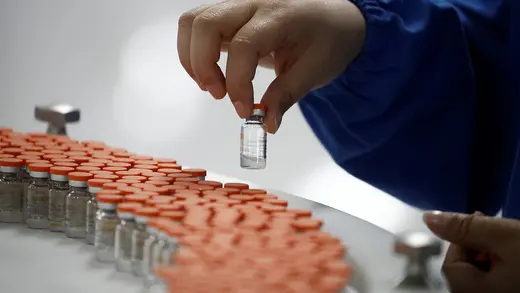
(402, 115)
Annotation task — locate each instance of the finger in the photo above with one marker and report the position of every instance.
(256, 39)
(480, 233)
(463, 277)
(456, 254)
(209, 29)
(184, 38)
(289, 87)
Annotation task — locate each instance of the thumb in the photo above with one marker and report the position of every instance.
(289, 87)
(477, 232)
(464, 277)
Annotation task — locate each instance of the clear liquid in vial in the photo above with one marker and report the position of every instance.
(253, 145)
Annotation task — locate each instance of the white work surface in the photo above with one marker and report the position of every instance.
(46, 262)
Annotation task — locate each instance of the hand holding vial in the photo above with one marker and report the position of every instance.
(308, 44)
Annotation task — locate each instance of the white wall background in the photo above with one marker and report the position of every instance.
(116, 60)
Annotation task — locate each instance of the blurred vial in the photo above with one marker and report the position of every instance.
(123, 241)
(11, 191)
(58, 196)
(253, 140)
(106, 223)
(94, 186)
(139, 236)
(38, 197)
(76, 208)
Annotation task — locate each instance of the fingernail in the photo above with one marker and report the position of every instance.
(434, 218)
(477, 213)
(239, 107)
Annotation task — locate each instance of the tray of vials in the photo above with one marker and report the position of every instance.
(167, 224)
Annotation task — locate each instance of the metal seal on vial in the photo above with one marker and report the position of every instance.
(418, 248)
(57, 116)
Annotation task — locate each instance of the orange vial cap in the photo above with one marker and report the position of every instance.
(121, 154)
(11, 162)
(104, 176)
(109, 198)
(146, 162)
(80, 160)
(147, 212)
(158, 189)
(114, 169)
(128, 173)
(146, 193)
(122, 165)
(253, 191)
(158, 183)
(147, 167)
(128, 207)
(13, 151)
(240, 186)
(169, 207)
(80, 176)
(87, 169)
(126, 190)
(169, 166)
(44, 168)
(214, 184)
(176, 176)
(169, 171)
(61, 171)
(66, 164)
(165, 161)
(173, 215)
(128, 181)
(98, 182)
(7, 156)
(136, 198)
(307, 224)
(174, 188)
(114, 185)
(90, 164)
(195, 172)
(124, 160)
(53, 152)
(134, 178)
(190, 179)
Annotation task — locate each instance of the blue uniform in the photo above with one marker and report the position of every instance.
(430, 109)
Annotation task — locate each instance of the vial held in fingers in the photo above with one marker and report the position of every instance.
(253, 140)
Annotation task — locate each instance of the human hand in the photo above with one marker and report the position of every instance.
(473, 234)
(308, 42)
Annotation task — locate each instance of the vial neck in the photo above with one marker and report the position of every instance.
(78, 189)
(255, 119)
(39, 181)
(9, 176)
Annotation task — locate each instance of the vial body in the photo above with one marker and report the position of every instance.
(57, 205)
(139, 236)
(167, 251)
(91, 214)
(11, 195)
(123, 244)
(253, 143)
(148, 263)
(75, 213)
(38, 204)
(26, 180)
(104, 240)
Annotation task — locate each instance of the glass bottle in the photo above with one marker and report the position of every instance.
(11, 190)
(58, 197)
(76, 205)
(123, 241)
(94, 186)
(106, 223)
(153, 228)
(139, 235)
(26, 180)
(253, 140)
(38, 196)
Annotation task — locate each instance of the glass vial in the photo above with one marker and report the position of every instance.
(58, 192)
(106, 223)
(26, 180)
(139, 235)
(76, 205)
(38, 196)
(11, 191)
(150, 243)
(253, 140)
(123, 241)
(94, 186)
